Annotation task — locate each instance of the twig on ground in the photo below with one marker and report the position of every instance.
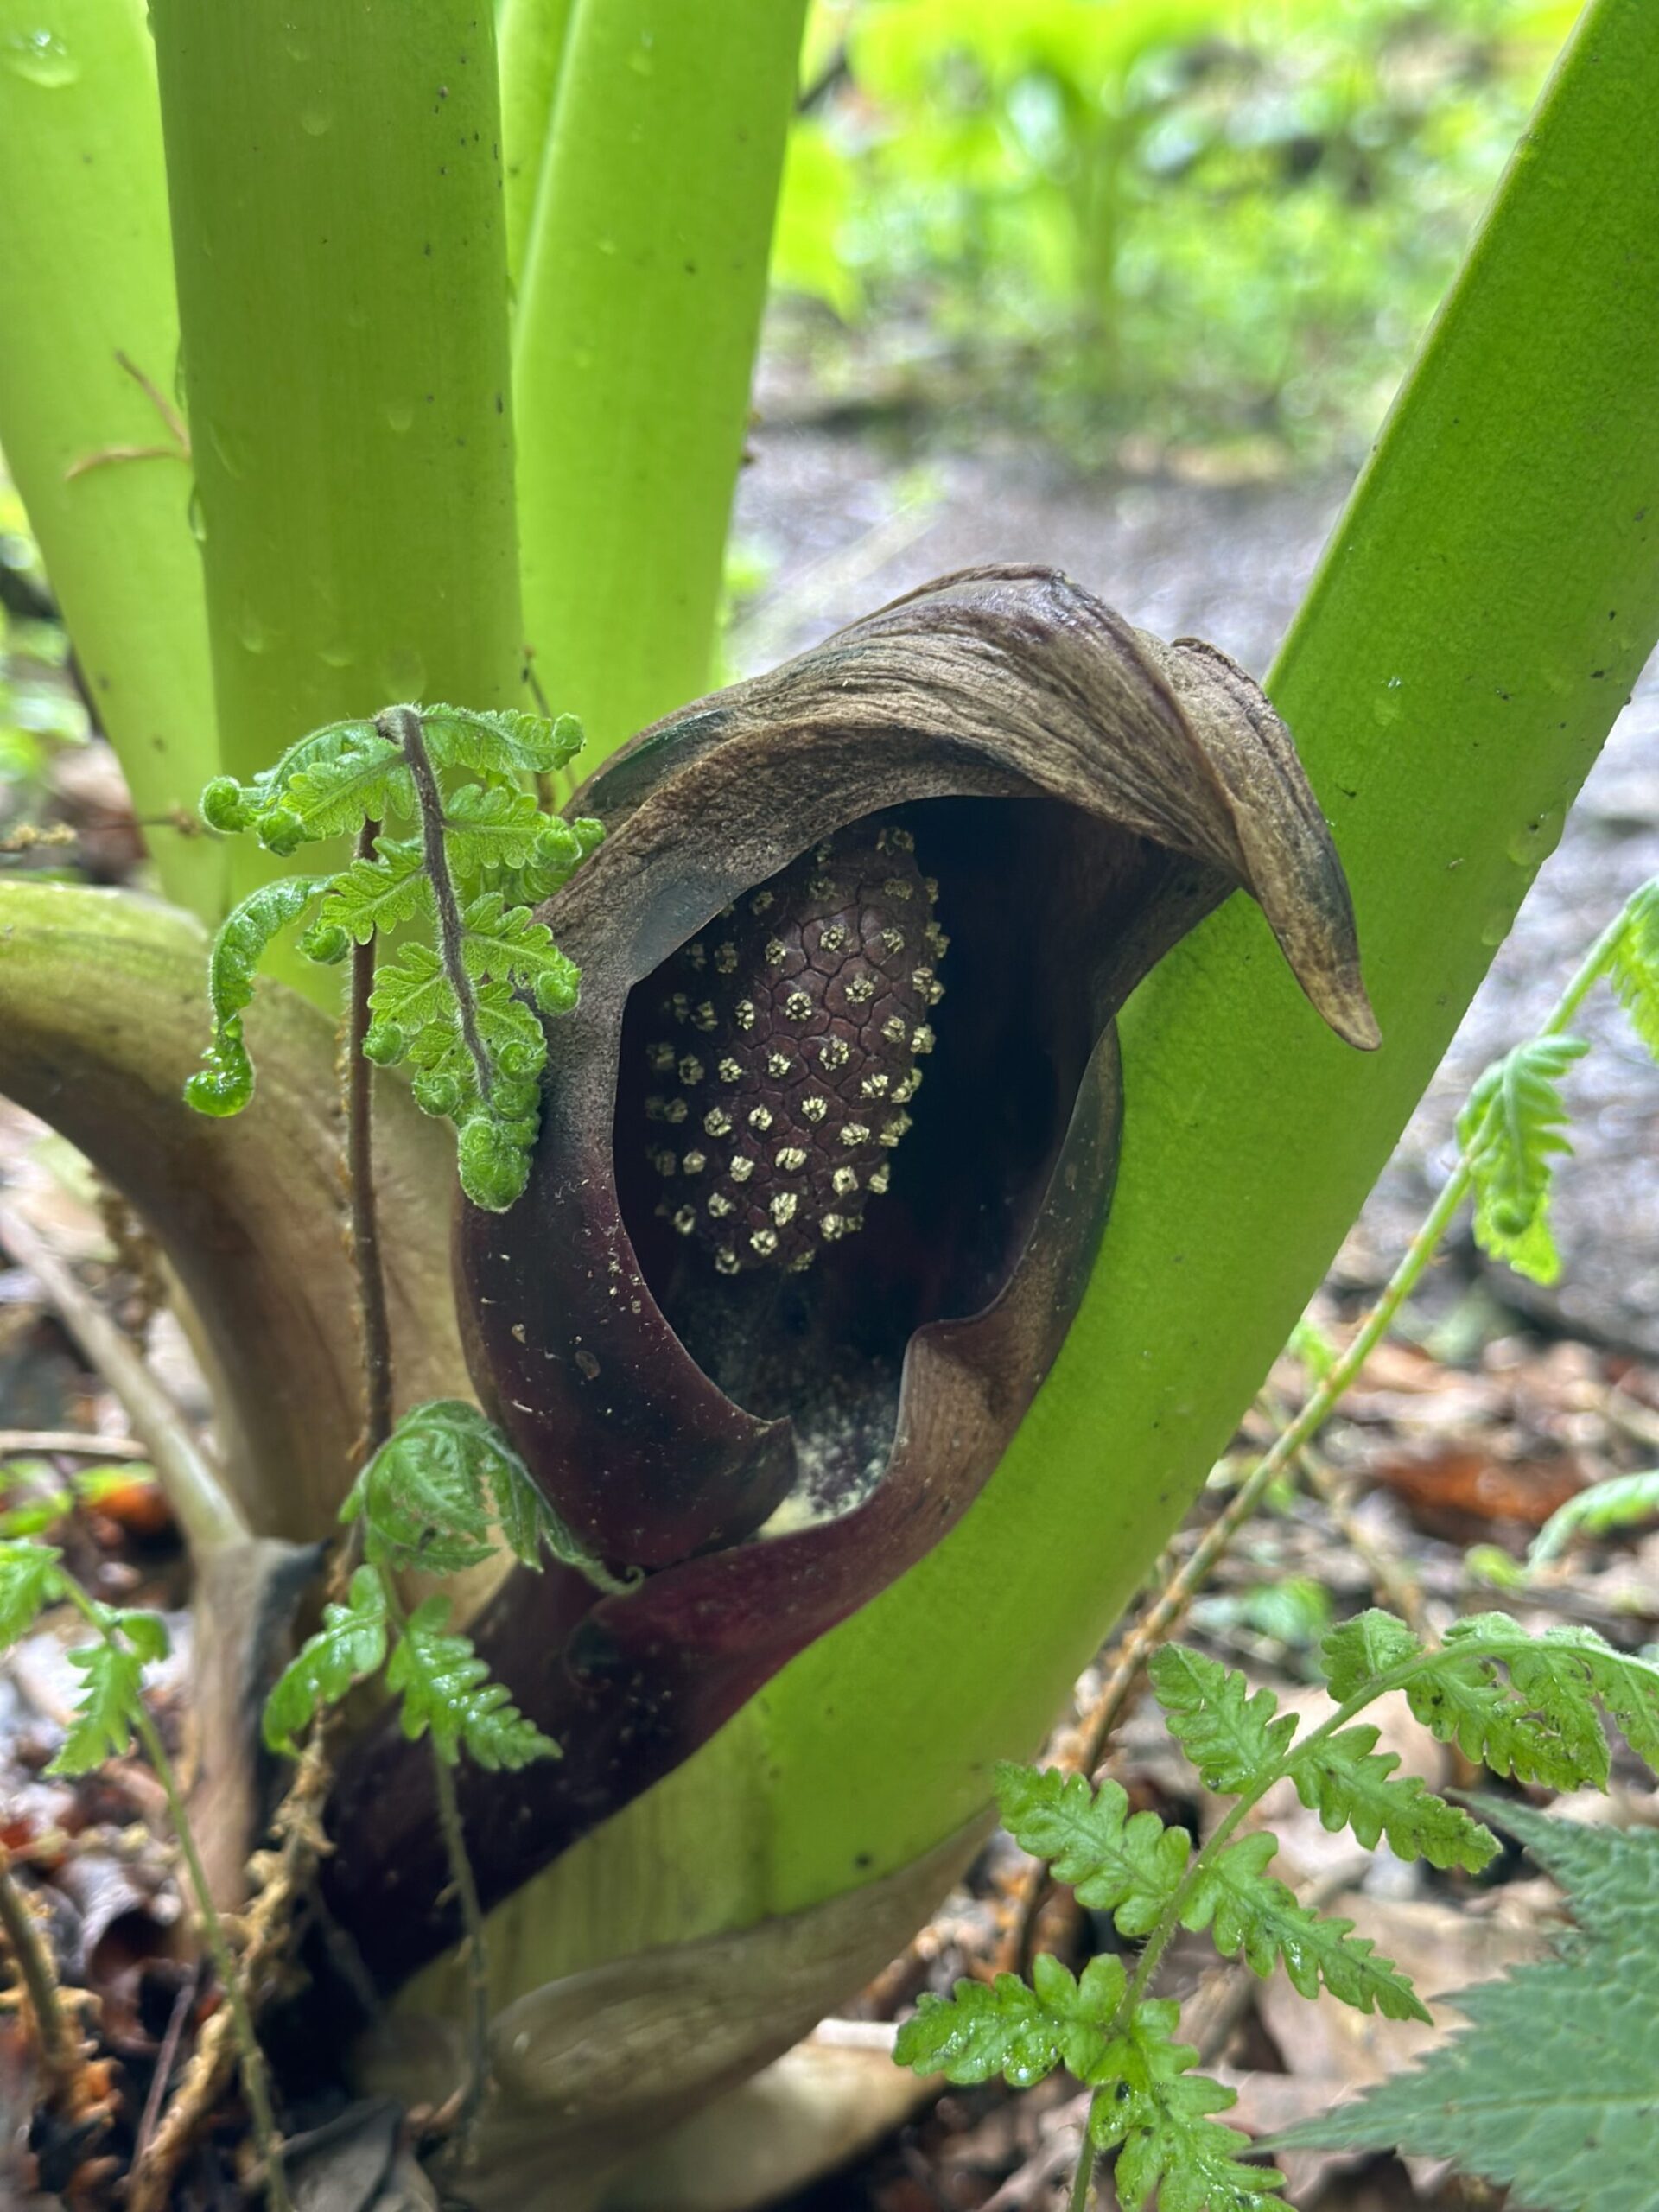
(1052, 2159)
(165, 2060)
(267, 1926)
(203, 1507)
(63, 2061)
(67, 1444)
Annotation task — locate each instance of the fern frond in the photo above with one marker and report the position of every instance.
(224, 1082)
(412, 994)
(1634, 964)
(490, 826)
(1231, 1736)
(446, 1691)
(500, 742)
(1018, 2031)
(114, 1668)
(1252, 1911)
(1129, 1866)
(360, 778)
(507, 944)
(1161, 2123)
(1356, 1654)
(29, 1582)
(1349, 1784)
(350, 1645)
(1512, 1131)
(380, 893)
(427, 1496)
(561, 848)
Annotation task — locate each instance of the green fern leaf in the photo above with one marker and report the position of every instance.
(380, 893)
(1542, 1724)
(1464, 1702)
(446, 1690)
(102, 1728)
(1231, 1736)
(29, 1581)
(421, 1497)
(1130, 1867)
(500, 742)
(1552, 2091)
(350, 1645)
(490, 826)
(561, 848)
(224, 1082)
(1160, 2122)
(1635, 966)
(1020, 2032)
(1356, 1654)
(412, 993)
(506, 943)
(359, 778)
(316, 747)
(1557, 1674)
(1349, 1784)
(1253, 1911)
(426, 1497)
(1512, 1131)
(1617, 1502)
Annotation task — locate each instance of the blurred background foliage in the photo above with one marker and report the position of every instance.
(41, 712)
(1130, 225)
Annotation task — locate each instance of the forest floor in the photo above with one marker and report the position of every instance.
(1491, 1406)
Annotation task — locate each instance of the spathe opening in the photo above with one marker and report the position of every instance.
(1017, 889)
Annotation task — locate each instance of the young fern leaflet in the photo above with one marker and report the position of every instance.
(461, 1002)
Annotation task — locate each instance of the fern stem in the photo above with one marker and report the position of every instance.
(402, 726)
(471, 1916)
(255, 2079)
(358, 1080)
(1083, 2181)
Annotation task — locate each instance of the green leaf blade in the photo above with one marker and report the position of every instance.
(1021, 2032)
(1551, 2091)
(1349, 1784)
(1130, 1865)
(1161, 2124)
(102, 1728)
(1230, 1734)
(446, 1692)
(1512, 1131)
(29, 1582)
(350, 1646)
(1251, 1913)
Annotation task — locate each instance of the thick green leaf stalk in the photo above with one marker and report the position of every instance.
(1484, 606)
(86, 284)
(639, 313)
(335, 172)
(532, 35)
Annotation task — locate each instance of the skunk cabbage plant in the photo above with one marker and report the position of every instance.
(826, 1154)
